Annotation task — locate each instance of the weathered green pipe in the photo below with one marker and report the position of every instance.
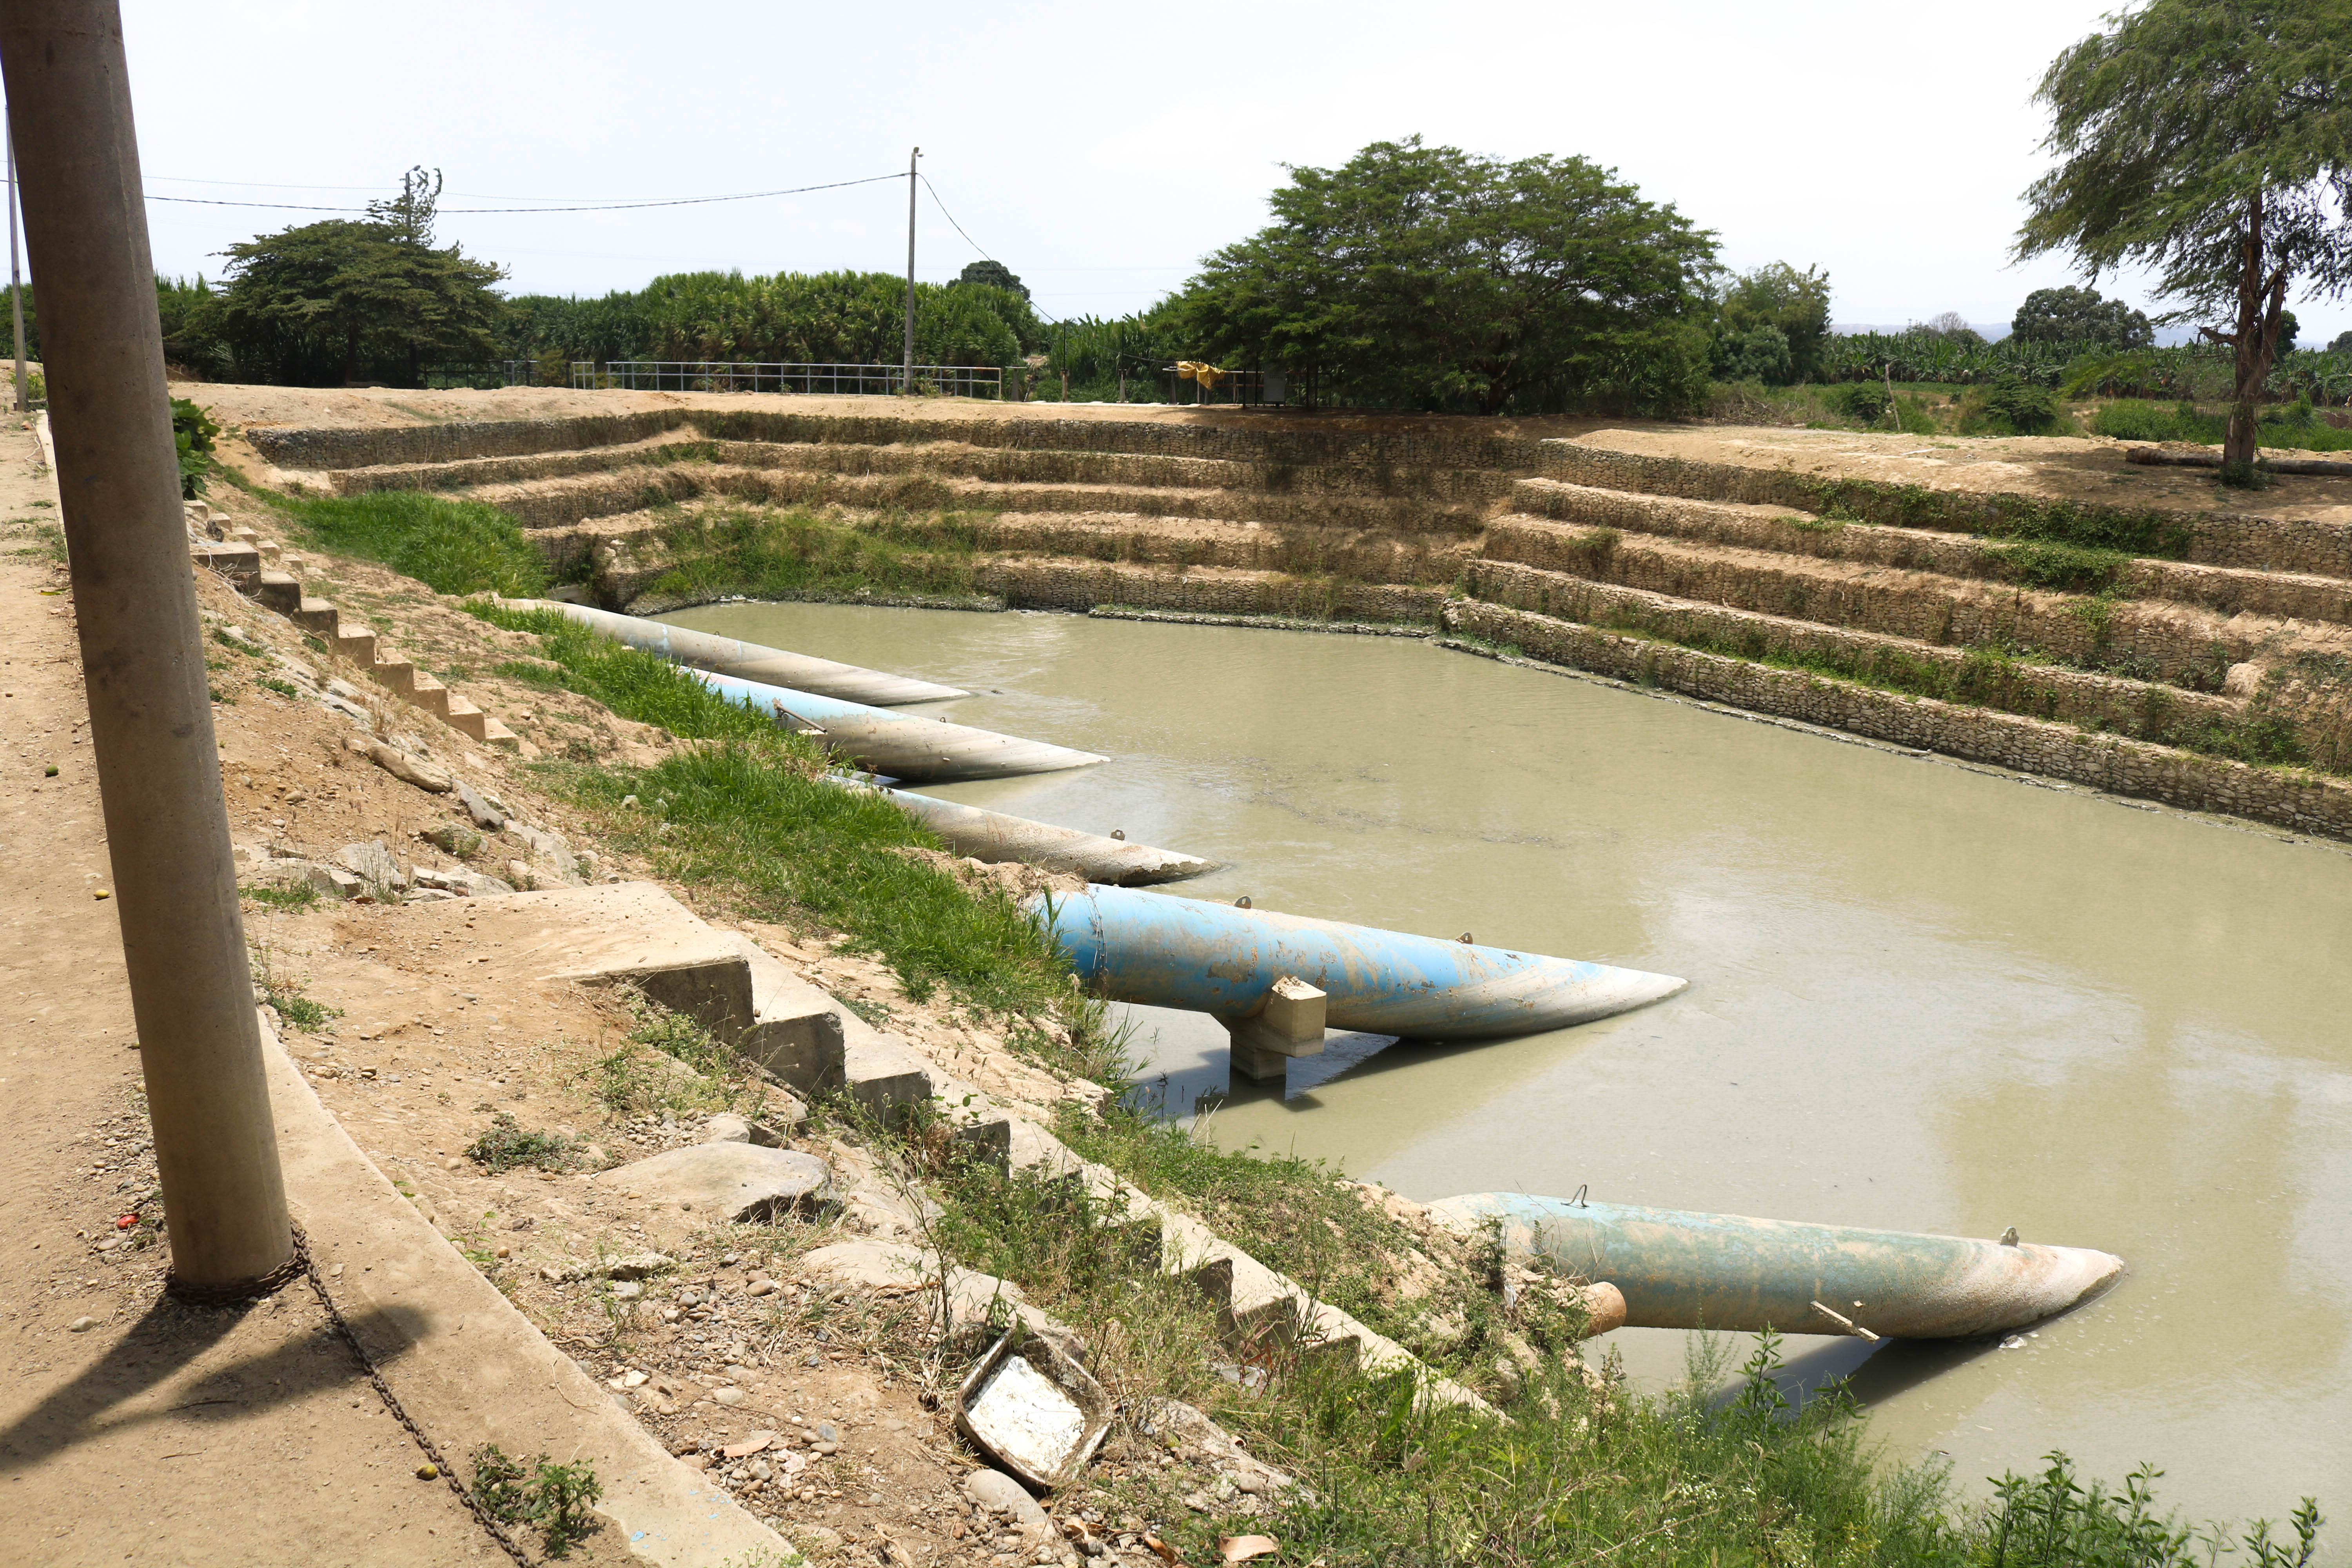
(751, 661)
(1726, 1271)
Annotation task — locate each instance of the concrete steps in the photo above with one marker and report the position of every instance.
(251, 563)
(815, 1045)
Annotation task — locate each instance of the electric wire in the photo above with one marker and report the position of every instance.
(597, 207)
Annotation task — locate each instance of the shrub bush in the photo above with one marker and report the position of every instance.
(2030, 409)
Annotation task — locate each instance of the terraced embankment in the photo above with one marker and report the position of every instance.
(2192, 652)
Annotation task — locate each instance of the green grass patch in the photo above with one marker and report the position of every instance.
(794, 554)
(452, 546)
(2057, 566)
(2288, 425)
(507, 1143)
(293, 898)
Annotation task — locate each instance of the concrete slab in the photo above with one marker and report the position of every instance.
(618, 932)
(726, 1182)
(466, 1364)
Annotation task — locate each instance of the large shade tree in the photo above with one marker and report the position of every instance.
(322, 301)
(2210, 141)
(1431, 278)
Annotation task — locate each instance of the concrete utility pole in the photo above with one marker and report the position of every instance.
(908, 386)
(15, 282)
(143, 657)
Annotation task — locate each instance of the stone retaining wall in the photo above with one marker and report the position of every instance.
(2046, 691)
(634, 488)
(2215, 539)
(474, 471)
(2304, 802)
(1927, 607)
(1374, 452)
(292, 446)
(2226, 591)
(1080, 586)
(1351, 552)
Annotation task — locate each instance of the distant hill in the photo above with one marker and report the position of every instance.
(1996, 331)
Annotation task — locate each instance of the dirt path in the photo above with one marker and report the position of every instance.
(156, 1433)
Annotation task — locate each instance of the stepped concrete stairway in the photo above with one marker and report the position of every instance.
(1907, 616)
(264, 571)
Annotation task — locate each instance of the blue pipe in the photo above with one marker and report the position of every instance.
(898, 745)
(1727, 1271)
(1168, 951)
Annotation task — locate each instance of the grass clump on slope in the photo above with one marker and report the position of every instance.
(750, 815)
(451, 546)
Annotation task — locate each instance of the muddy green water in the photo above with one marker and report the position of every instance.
(1921, 998)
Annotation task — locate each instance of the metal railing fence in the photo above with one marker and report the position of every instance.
(747, 375)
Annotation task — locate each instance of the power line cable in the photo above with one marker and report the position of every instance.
(598, 207)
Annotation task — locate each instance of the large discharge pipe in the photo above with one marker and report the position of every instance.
(899, 745)
(1278, 980)
(750, 660)
(1727, 1271)
(995, 838)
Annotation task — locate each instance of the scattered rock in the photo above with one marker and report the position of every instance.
(81, 1325)
(729, 1396)
(639, 1266)
(736, 1181)
(373, 865)
(754, 1444)
(454, 837)
(487, 817)
(470, 884)
(997, 1492)
(729, 1127)
(410, 770)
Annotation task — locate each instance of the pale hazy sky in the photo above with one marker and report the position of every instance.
(1101, 149)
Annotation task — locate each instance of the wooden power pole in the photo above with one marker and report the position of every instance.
(143, 654)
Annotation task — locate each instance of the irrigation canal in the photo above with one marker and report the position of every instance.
(1922, 998)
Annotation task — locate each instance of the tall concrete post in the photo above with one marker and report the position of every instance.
(907, 384)
(16, 285)
(143, 655)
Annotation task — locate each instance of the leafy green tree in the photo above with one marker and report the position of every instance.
(1951, 327)
(2073, 315)
(1431, 277)
(189, 313)
(1794, 304)
(2211, 141)
(995, 275)
(317, 302)
(2342, 345)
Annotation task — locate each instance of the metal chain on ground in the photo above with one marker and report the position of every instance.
(237, 1292)
(392, 1403)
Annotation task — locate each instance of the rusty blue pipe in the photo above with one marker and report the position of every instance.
(1167, 952)
(898, 745)
(1727, 1271)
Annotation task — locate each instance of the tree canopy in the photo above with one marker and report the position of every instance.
(2073, 315)
(993, 275)
(1431, 277)
(2210, 141)
(1770, 325)
(322, 302)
